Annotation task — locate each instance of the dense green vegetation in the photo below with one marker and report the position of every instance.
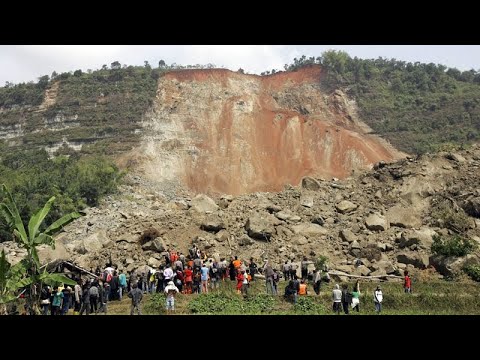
(473, 271)
(453, 246)
(76, 182)
(417, 107)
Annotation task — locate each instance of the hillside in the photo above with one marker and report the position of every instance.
(388, 217)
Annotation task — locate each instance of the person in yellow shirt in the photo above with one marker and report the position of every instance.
(237, 263)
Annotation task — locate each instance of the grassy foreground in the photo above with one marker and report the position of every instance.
(428, 298)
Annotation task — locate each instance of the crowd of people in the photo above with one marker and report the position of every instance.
(195, 273)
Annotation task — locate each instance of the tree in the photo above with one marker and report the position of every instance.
(29, 241)
(241, 71)
(161, 64)
(147, 65)
(77, 73)
(54, 75)
(115, 65)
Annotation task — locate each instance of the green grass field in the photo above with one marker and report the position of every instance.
(428, 298)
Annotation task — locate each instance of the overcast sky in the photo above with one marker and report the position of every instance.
(23, 63)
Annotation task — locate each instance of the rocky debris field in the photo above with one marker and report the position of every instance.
(386, 217)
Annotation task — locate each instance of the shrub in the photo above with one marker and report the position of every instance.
(454, 246)
(473, 271)
(307, 304)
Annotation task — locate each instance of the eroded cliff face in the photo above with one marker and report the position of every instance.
(226, 132)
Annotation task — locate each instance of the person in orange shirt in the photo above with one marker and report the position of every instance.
(303, 288)
(237, 263)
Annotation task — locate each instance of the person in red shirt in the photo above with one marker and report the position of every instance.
(240, 278)
(407, 283)
(188, 280)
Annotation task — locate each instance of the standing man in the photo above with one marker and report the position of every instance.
(377, 299)
(136, 295)
(407, 283)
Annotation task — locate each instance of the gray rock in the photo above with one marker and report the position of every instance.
(423, 238)
(381, 246)
(274, 208)
(362, 270)
(378, 272)
(203, 204)
(420, 261)
(309, 229)
(347, 235)
(346, 206)
(370, 253)
(310, 183)
(154, 245)
(376, 222)
(261, 226)
(95, 241)
(154, 263)
(299, 240)
(212, 223)
(306, 200)
(455, 157)
(403, 217)
(128, 237)
(245, 240)
(472, 207)
(222, 236)
(355, 245)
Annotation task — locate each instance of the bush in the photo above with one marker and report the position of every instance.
(454, 246)
(156, 304)
(473, 271)
(307, 304)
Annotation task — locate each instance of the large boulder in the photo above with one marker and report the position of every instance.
(346, 206)
(96, 241)
(310, 183)
(414, 258)
(47, 254)
(362, 270)
(371, 253)
(403, 217)
(422, 237)
(203, 204)
(376, 222)
(154, 245)
(452, 266)
(309, 229)
(212, 223)
(222, 236)
(261, 225)
(472, 207)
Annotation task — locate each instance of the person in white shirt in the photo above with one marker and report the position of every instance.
(377, 299)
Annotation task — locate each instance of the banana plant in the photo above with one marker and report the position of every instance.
(35, 237)
(12, 279)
